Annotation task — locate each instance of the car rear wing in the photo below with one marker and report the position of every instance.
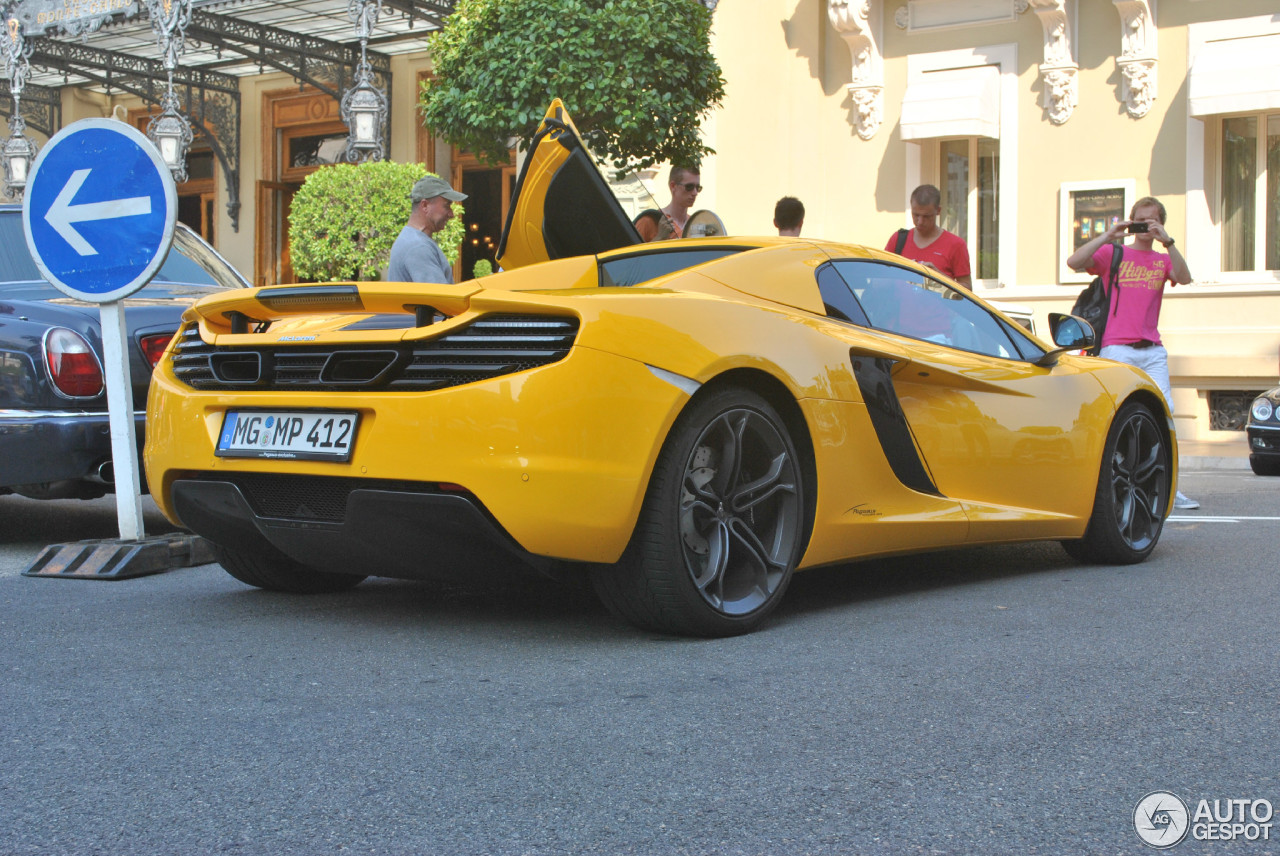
(241, 311)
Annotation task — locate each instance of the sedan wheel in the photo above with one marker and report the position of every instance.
(1133, 492)
(722, 526)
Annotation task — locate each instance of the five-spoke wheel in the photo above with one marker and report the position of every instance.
(1133, 491)
(723, 523)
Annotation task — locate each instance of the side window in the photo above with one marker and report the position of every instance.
(643, 267)
(838, 299)
(902, 301)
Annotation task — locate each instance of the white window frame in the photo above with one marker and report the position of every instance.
(1005, 57)
(1259, 191)
(1204, 231)
(1066, 240)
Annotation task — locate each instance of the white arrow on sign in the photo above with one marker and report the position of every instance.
(62, 214)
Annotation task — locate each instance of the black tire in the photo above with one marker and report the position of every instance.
(1134, 486)
(722, 526)
(1264, 466)
(277, 572)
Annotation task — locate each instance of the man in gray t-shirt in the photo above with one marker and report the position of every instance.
(415, 257)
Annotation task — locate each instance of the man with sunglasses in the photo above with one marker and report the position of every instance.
(669, 222)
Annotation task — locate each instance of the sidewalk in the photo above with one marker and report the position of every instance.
(1214, 455)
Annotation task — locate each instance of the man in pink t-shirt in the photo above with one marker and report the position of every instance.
(1131, 335)
(929, 243)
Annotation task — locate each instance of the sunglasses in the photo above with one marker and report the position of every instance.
(690, 187)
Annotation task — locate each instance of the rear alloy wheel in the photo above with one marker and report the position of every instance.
(277, 572)
(722, 526)
(1133, 492)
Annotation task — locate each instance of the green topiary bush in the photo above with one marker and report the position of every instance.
(345, 218)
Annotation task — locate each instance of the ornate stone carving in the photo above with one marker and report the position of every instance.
(1138, 56)
(1058, 69)
(852, 19)
(1060, 93)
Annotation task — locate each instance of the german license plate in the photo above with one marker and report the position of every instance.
(305, 435)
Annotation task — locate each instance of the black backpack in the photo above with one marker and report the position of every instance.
(1094, 303)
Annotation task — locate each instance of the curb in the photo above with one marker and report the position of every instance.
(1190, 463)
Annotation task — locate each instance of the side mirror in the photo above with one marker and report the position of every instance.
(1070, 333)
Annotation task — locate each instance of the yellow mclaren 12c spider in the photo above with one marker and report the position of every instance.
(687, 422)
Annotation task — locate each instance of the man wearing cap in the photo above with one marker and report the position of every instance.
(415, 257)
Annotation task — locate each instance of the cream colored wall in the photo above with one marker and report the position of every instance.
(405, 118)
(786, 127)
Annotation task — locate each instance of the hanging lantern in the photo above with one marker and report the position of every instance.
(364, 106)
(18, 154)
(172, 135)
(170, 130)
(364, 109)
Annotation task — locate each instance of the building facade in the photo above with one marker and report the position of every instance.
(1039, 120)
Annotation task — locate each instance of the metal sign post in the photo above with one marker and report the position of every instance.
(124, 437)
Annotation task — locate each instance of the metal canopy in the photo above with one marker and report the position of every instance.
(311, 40)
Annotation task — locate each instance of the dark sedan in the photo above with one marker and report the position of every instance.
(55, 442)
(1264, 433)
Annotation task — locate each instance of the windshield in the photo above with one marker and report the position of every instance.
(190, 262)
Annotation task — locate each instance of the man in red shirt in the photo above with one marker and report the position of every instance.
(929, 243)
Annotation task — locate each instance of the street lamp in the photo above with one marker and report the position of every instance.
(364, 106)
(170, 130)
(364, 110)
(19, 150)
(18, 154)
(172, 135)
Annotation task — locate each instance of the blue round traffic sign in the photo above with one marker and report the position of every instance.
(99, 210)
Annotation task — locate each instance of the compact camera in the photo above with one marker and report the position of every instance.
(1137, 227)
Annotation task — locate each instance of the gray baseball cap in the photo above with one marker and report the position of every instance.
(433, 186)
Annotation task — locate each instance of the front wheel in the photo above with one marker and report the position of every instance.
(277, 572)
(1264, 466)
(1134, 485)
(722, 526)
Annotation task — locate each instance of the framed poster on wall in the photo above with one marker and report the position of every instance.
(1087, 209)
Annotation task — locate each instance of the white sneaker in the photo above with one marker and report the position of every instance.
(1184, 502)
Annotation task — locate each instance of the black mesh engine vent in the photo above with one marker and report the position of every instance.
(490, 346)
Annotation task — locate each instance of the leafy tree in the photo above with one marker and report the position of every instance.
(637, 76)
(345, 218)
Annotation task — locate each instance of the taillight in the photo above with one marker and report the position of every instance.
(73, 365)
(153, 347)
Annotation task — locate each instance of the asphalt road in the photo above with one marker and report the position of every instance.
(989, 701)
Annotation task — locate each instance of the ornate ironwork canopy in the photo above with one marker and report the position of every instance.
(311, 40)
